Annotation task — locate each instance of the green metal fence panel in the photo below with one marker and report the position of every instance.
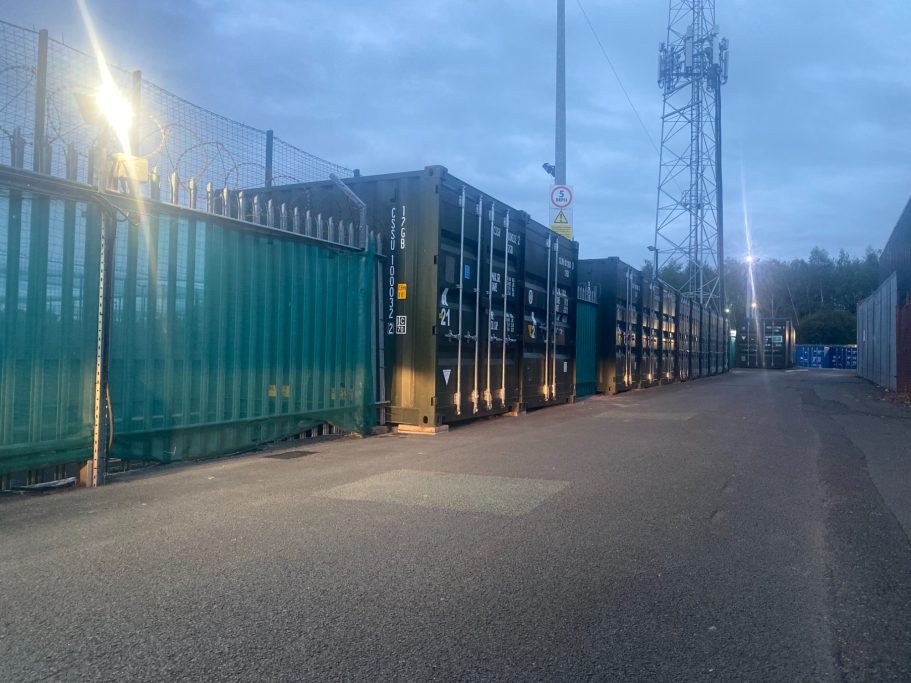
(49, 256)
(586, 351)
(223, 338)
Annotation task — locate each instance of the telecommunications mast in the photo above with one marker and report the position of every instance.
(689, 227)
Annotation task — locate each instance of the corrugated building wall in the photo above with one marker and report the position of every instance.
(903, 349)
(876, 352)
(896, 255)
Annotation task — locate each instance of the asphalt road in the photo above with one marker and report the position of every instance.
(751, 527)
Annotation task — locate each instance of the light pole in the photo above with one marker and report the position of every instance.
(655, 250)
(560, 137)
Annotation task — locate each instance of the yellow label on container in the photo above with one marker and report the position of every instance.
(402, 291)
(271, 391)
(286, 391)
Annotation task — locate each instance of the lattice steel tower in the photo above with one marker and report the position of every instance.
(689, 230)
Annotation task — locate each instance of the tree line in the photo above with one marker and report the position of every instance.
(819, 294)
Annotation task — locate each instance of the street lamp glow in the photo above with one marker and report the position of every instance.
(749, 258)
(115, 108)
(754, 305)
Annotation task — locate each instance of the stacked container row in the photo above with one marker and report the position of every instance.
(648, 333)
(842, 357)
(478, 299)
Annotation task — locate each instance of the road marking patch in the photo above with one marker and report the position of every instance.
(462, 492)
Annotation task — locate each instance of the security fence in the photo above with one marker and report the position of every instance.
(212, 335)
(44, 86)
(174, 317)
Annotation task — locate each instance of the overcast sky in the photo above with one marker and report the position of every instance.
(816, 118)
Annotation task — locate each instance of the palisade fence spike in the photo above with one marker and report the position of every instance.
(241, 208)
(319, 225)
(174, 188)
(350, 233)
(154, 185)
(191, 193)
(296, 221)
(309, 225)
(270, 216)
(283, 213)
(225, 202)
(210, 198)
(331, 236)
(257, 218)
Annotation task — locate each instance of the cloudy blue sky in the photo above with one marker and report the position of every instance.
(816, 120)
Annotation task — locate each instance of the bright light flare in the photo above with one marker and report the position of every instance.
(112, 104)
(116, 109)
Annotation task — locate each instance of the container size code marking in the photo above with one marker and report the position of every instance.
(401, 324)
(396, 240)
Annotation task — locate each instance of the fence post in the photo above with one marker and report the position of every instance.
(136, 103)
(270, 141)
(41, 156)
(102, 429)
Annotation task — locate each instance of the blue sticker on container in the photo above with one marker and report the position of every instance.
(467, 272)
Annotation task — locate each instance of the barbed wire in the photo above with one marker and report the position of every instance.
(173, 134)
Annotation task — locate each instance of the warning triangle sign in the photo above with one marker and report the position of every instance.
(561, 219)
(446, 375)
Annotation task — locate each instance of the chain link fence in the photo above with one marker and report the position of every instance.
(188, 148)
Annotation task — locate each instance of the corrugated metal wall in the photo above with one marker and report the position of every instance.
(876, 359)
(49, 307)
(222, 335)
(903, 349)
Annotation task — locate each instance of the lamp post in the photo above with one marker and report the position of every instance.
(655, 250)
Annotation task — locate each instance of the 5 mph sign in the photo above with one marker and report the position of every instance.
(561, 210)
(561, 196)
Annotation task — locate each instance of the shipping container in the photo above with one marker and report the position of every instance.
(548, 304)
(479, 299)
(767, 343)
(450, 286)
(838, 356)
(619, 321)
(586, 341)
(668, 338)
(684, 337)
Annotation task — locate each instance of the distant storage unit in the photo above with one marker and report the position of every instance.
(479, 299)
(767, 343)
(825, 356)
(647, 332)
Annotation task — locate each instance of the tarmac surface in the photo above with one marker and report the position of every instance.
(749, 527)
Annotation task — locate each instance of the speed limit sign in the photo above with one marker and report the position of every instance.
(561, 196)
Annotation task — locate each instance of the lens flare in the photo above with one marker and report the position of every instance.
(111, 103)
